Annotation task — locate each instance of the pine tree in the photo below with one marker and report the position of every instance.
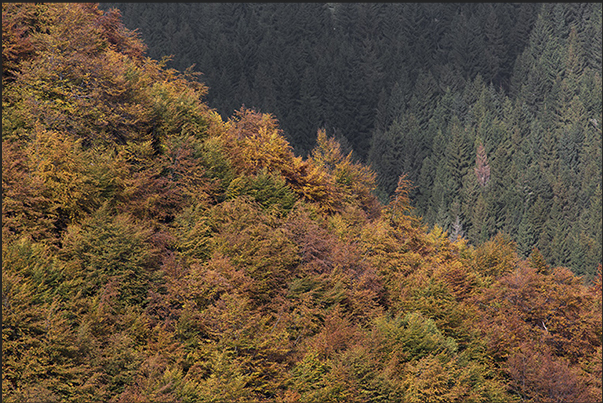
(467, 46)
(457, 155)
(592, 40)
(496, 49)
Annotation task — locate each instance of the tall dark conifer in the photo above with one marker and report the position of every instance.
(496, 50)
(523, 78)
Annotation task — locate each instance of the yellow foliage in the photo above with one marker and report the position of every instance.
(60, 163)
(254, 142)
(219, 296)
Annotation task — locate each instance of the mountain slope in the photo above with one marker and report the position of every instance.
(152, 251)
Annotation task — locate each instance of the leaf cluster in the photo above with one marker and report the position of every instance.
(153, 252)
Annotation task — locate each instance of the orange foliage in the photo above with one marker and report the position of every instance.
(354, 182)
(540, 324)
(555, 309)
(25, 208)
(541, 377)
(19, 20)
(255, 142)
(174, 279)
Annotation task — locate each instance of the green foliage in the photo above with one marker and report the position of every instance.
(266, 189)
(154, 252)
(217, 166)
(413, 336)
(522, 80)
(40, 354)
(495, 257)
(109, 248)
(255, 243)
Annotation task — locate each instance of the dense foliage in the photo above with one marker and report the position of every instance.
(417, 89)
(154, 251)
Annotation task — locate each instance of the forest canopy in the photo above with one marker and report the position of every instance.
(421, 89)
(159, 248)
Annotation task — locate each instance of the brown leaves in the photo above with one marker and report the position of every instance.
(542, 377)
(124, 41)
(482, 169)
(87, 77)
(188, 283)
(18, 22)
(25, 208)
(545, 329)
(158, 187)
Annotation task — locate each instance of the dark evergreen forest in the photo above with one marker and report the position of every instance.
(163, 243)
(492, 110)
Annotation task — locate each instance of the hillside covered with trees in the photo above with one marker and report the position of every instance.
(155, 249)
(430, 90)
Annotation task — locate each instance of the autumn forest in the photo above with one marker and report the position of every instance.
(304, 202)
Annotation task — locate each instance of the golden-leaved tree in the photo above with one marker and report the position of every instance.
(153, 252)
